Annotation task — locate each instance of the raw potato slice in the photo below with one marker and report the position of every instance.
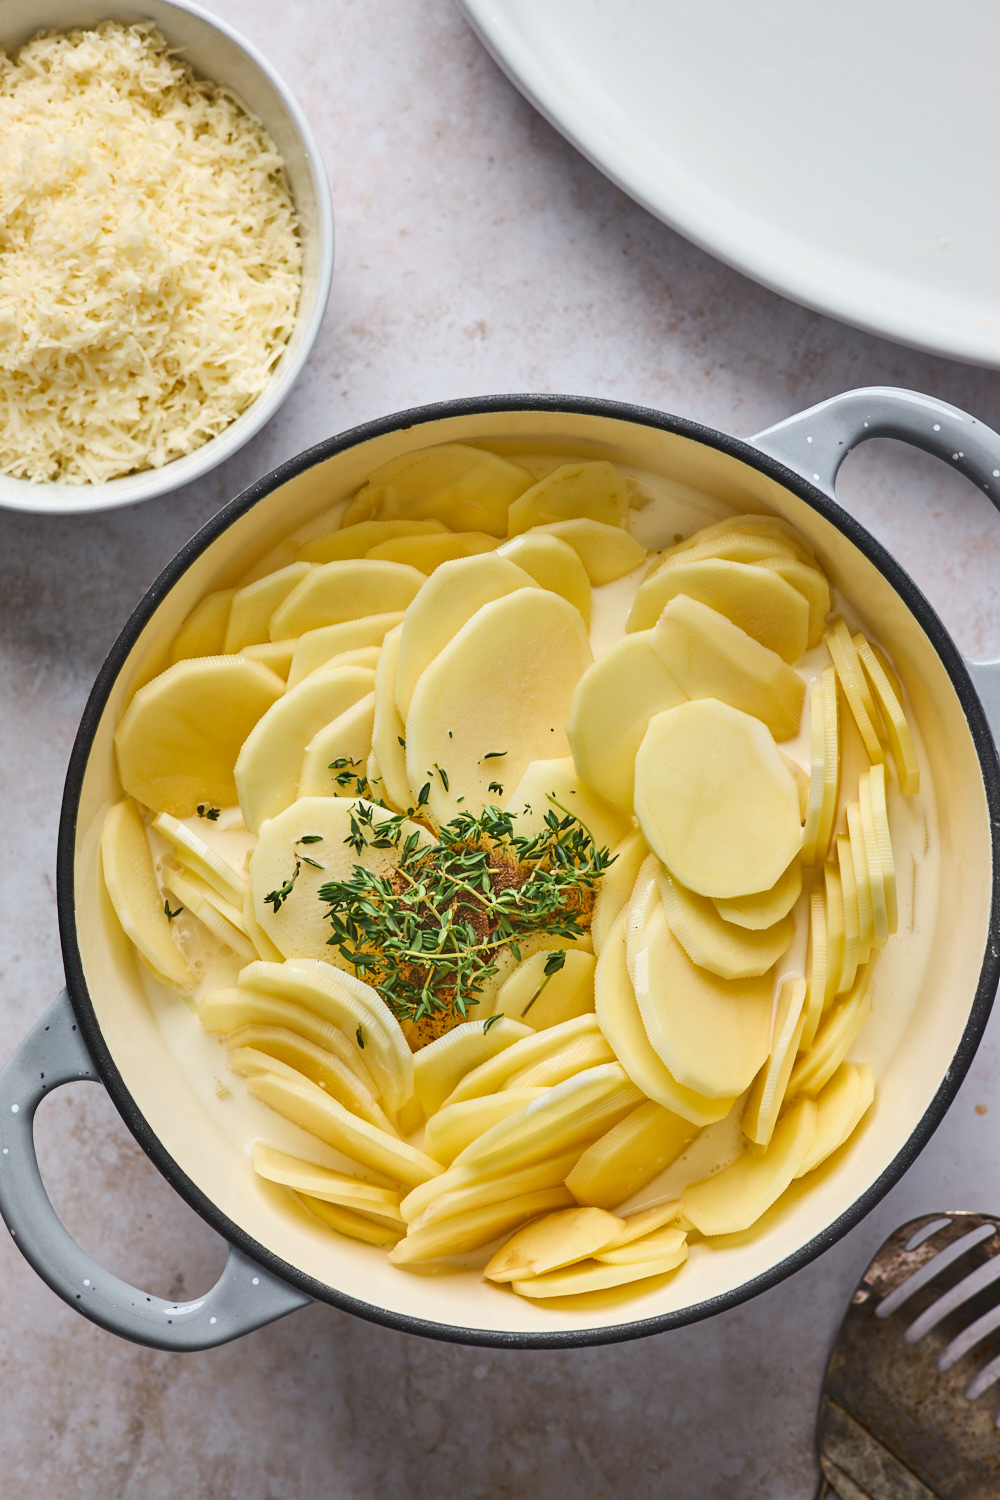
(335, 592)
(593, 1276)
(202, 902)
(362, 656)
(554, 565)
(446, 602)
(716, 945)
(495, 699)
(607, 552)
(306, 1105)
(836, 934)
(204, 631)
(632, 1153)
(316, 647)
(322, 1182)
(274, 654)
(352, 1006)
(835, 1037)
(711, 1033)
(735, 546)
(463, 1191)
(571, 1114)
(769, 529)
(262, 943)
(253, 606)
(491, 1075)
(765, 907)
(715, 800)
(869, 834)
(710, 657)
(840, 1107)
(880, 814)
(272, 1044)
(466, 488)
(643, 902)
(135, 895)
(429, 552)
(868, 933)
(267, 770)
(451, 1129)
(760, 1113)
(345, 1221)
(851, 677)
(616, 885)
(461, 1233)
(644, 1221)
(813, 587)
(438, 1067)
(357, 541)
(593, 490)
(651, 1247)
(193, 852)
(898, 730)
(852, 921)
(541, 1000)
(620, 1021)
(348, 739)
(818, 970)
(178, 740)
(553, 786)
(611, 709)
(824, 781)
(756, 599)
(557, 1240)
(586, 1052)
(226, 1012)
(388, 734)
(736, 1197)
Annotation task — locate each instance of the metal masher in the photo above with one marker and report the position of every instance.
(909, 1409)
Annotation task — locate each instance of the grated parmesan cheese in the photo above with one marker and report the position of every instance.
(149, 256)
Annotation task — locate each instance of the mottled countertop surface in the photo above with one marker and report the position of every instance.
(476, 253)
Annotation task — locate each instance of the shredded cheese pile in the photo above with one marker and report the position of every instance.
(149, 256)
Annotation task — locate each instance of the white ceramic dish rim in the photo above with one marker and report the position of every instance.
(880, 305)
(70, 499)
(298, 1285)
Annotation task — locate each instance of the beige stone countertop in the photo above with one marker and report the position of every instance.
(476, 253)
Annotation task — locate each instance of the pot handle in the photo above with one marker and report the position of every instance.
(245, 1297)
(815, 443)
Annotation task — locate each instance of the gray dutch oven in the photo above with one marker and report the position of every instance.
(930, 1018)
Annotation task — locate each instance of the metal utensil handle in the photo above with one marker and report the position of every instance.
(245, 1297)
(815, 443)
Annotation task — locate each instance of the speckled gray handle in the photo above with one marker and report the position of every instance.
(816, 442)
(245, 1297)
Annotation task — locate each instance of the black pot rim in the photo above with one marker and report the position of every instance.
(481, 406)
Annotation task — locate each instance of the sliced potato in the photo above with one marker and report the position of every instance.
(429, 552)
(763, 908)
(621, 1022)
(323, 1182)
(446, 602)
(204, 631)
(852, 919)
(897, 729)
(357, 540)
(460, 1233)
(873, 855)
(553, 564)
(135, 895)
(213, 910)
(595, 1276)
(178, 740)
(262, 943)
(760, 1113)
(317, 647)
(840, 1107)
(587, 1051)
(610, 711)
(880, 816)
(714, 944)
(834, 1038)
(557, 1240)
(356, 1226)
(653, 1248)
(594, 490)
(554, 786)
(851, 676)
(757, 600)
(606, 550)
(335, 592)
(274, 654)
(362, 656)
(491, 1074)
(267, 769)
(278, 1044)
(616, 886)
(836, 934)
(711, 1033)
(813, 587)
(631, 1154)
(230, 1012)
(495, 699)
(817, 968)
(439, 1067)
(769, 529)
(465, 1191)
(464, 487)
(543, 1000)
(736, 1197)
(644, 1222)
(710, 657)
(824, 780)
(253, 606)
(338, 754)
(868, 934)
(193, 852)
(452, 1128)
(388, 733)
(715, 800)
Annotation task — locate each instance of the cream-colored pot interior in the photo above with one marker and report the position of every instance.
(922, 999)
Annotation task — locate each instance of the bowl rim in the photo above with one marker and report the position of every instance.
(55, 499)
(83, 1007)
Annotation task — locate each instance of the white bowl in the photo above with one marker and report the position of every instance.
(216, 52)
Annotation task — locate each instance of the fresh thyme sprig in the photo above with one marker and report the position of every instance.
(429, 934)
(211, 813)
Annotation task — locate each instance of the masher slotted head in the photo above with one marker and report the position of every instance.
(909, 1409)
